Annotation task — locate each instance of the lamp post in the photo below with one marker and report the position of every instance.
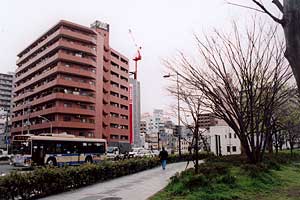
(178, 110)
(47, 121)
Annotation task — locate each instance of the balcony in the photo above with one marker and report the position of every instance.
(71, 83)
(36, 90)
(60, 124)
(118, 120)
(36, 68)
(79, 36)
(118, 100)
(80, 60)
(118, 110)
(30, 62)
(74, 46)
(56, 109)
(71, 97)
(58, 81)
(117, 131)
(40, 45)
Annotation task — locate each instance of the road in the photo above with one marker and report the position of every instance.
(5, 168)
(137, 186)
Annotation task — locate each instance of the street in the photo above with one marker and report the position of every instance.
(5, 168)
(138, 186)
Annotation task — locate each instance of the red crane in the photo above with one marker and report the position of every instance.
(138, 56)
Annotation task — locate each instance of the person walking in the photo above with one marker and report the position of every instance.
(163, 155)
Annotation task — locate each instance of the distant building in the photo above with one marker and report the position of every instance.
(208, 119)
(6, 94)
(135, 112)
(6, 91)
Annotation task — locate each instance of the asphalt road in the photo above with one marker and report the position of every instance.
(6, 168)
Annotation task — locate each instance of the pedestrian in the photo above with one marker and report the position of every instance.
(163, 155)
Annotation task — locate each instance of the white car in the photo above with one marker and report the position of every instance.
(140, 152)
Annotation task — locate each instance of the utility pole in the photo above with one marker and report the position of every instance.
(178, 111)
(158, 140)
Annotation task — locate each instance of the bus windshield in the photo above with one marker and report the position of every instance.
(21, 147)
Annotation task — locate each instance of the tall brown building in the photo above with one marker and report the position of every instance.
(208, 119)
(71, 80)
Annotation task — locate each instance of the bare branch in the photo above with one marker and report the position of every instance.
(278, 4)
(248, 7)
(280, 21)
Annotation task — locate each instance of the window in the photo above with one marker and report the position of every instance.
(228, 148)
(234, 135)
(114, 137)
(229, 135)
(234, 149)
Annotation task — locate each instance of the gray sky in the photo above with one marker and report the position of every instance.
(161, 27)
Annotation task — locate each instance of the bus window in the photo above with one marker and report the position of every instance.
(100, 148)
(58, 148)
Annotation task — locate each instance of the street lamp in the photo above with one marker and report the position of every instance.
(47, 121)
(178, 110)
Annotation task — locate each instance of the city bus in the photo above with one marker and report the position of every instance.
(56, 150)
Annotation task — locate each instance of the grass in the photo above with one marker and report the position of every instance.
(281, 183)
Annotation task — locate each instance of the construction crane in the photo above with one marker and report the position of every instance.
(138, 56)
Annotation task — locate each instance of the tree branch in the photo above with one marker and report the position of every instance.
(278, 4)
(280, 21)
(234, 4)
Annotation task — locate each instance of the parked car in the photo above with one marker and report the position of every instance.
(135, 152)
(144, 153)
(4, 155)
(113, 153)
(155, 153)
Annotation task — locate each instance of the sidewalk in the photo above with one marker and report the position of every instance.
(138, 186)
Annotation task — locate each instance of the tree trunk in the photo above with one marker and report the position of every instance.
(291, 147)
(197, 149)
(291, 27)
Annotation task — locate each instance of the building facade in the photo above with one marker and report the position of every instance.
(208, 119)
(135, 111)
(223, 141)
(6, 93)
(71, 80)
(6, 89)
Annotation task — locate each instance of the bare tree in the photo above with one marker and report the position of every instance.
(290, 11)
(289, 119)
(241, 79)
(191, 107)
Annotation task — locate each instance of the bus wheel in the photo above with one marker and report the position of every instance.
(51, 162)
(89, 160)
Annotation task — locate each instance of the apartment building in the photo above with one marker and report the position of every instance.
(6, 88)
(207, 120)
(71, 80)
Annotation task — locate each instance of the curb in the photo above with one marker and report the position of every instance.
(4, 162)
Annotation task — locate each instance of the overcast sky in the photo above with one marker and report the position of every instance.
(161, 27)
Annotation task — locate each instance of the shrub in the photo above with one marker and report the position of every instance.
(213, 169)
(228, 180)
(44, 181)
(255, 171)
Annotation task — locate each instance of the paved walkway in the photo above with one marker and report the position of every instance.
(138, 186)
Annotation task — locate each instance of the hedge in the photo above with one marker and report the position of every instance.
(46, 181)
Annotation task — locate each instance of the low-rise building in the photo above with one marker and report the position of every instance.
(223, 140)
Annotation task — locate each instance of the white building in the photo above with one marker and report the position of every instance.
(223, 140)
